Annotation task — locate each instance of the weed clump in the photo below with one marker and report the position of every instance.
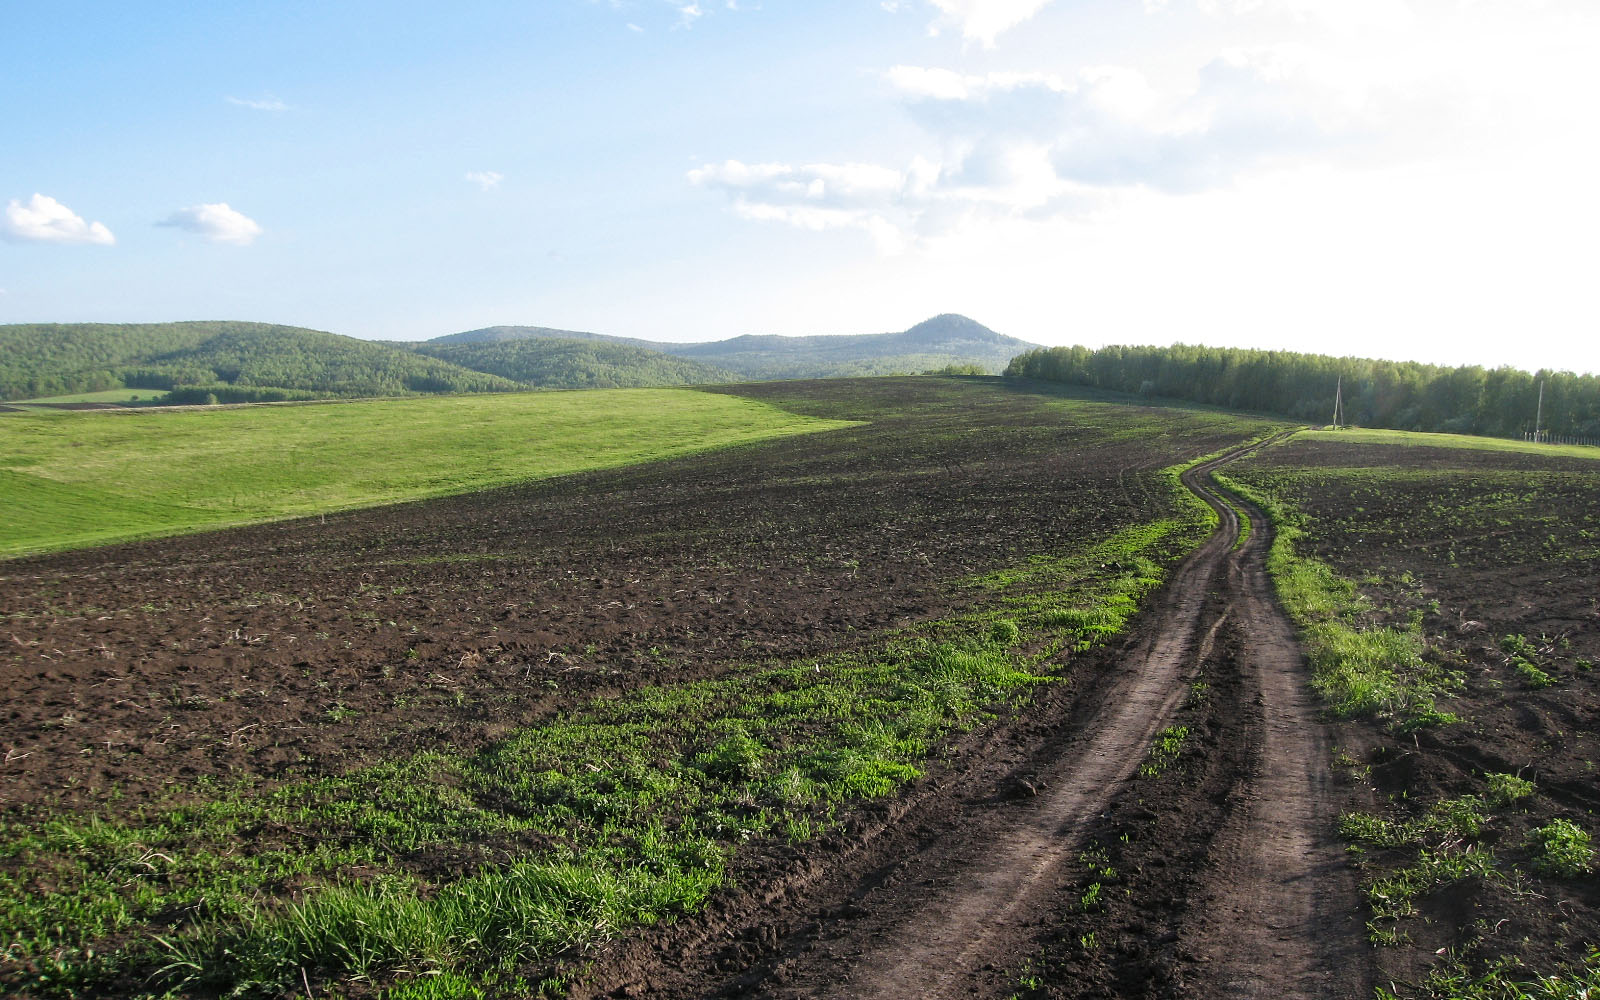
(1562, 848)
(736, 758)
(1505, 789)
(1005, 634)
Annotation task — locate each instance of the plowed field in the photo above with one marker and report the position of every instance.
(218, 740)
(1490, 559)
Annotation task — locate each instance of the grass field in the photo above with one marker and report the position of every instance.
(75, 479)
(1364, 435)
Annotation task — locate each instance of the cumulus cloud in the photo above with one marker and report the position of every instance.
(217, 223)
(896, 207)
(1110, 126)
(1036, 146)
(1350, 15)
(268, 103)
(985, 20)
(487, 180)
(42, 219)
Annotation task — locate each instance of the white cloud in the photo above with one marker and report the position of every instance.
(1111, 127)
(217, 223)
(948, 85)
(44, 220)
(896, 207)
(1348, 15)
(267, 103)
(1035, 147)
(985, 20)
(487, 180)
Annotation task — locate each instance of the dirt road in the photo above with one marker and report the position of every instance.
(969, 883)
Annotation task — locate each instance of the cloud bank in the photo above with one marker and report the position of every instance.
(42, 219)
(487, 180)
(1038, 146)
(217, 223)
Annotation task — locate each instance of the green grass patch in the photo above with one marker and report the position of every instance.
(1444, 838)
(1358, 671)
(1164, 751)
(1360, 435)
(1562, 848)
(75, 479)
(1503, 979)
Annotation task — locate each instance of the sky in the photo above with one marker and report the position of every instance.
(1407, 179)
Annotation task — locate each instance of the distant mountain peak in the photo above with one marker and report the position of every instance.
(954, 326)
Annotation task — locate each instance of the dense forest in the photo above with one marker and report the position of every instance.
(235, 362)
(1499, 402)
(576, 364)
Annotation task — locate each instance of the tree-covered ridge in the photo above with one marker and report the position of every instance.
(1403, 395)
(497, 334)
(935, 343)
(234, 361)
(576, 364)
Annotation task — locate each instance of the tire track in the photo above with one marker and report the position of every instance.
(941, 918)
(966, 881)
(1280, 904)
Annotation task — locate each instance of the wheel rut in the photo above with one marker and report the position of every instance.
(948, 906)
(967, 892)
(1279, 913)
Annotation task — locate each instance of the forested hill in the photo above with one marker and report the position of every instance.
(229, 362)
(1499, 402)
(943, 340)
(504, 334)
(935, 343)
(576, 364)
(232, 362)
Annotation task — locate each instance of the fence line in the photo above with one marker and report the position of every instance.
(1545, 437)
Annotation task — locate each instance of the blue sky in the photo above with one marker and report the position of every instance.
(1397, 178)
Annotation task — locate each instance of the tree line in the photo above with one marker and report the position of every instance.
(236, 362)
(557, 363)
(1400, 395)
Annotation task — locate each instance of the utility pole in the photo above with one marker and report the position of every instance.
(1538, 418)
(1338, 404)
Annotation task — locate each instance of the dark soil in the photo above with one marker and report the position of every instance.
(975, 882)
(316, 645)
(1506, 544)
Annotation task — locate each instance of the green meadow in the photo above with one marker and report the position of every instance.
(1424, 439)
(71, 479)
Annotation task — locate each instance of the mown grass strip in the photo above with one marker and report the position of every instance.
(429, 875)
(69, 479)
